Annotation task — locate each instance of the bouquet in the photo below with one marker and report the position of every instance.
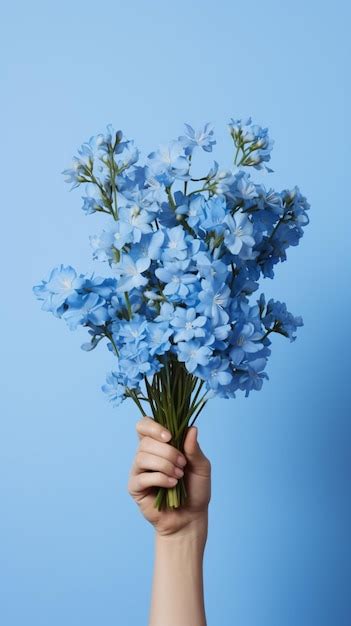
(184, 254)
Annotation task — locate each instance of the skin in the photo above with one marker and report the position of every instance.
(180, 534)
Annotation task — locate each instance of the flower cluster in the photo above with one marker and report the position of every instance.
(185, 256)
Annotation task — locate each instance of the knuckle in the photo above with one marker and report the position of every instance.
(167, 466)
(174, 453)
(138, 425)
(145, 443)
(162, 479)
(139, 482)
(155, 431)
(142, 480)
(139, 457)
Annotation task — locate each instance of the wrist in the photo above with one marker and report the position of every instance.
(178, 596)
(195, 530)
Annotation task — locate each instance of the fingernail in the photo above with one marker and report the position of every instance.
(165, 434)
(181, 461)
(172, 481)
(178, 472)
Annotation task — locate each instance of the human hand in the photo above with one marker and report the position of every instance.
(155, 465)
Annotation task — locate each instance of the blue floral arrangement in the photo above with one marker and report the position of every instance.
(185, 254)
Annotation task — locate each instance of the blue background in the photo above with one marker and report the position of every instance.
(73, 548)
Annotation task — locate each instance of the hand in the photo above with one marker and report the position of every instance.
(155, 465)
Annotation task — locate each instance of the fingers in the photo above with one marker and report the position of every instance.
(148, 427)
(157, 463)
(144, 461)
(193, 452)
(139, 482)
(165, 450)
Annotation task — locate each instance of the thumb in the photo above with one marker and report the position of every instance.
(192, 450)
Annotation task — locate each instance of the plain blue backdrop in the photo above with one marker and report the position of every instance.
(73, 548)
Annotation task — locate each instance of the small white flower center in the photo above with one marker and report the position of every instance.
(132, 271)
(66, 283)
(218, 300)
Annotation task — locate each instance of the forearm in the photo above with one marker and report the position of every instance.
(177, 593)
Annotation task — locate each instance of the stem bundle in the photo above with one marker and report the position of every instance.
(174, 396)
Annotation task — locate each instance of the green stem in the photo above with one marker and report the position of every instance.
(110, 337)
(112, 168)
(236, 154)
(170, 198)
(174, 395)
(210, 188)
(129, 308)
(186, 182)
(104, 195)
(132, 394)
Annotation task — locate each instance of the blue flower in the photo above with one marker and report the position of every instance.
(202, 138)
(92, 204)
(254, 142)
(245, 340)
(84, 309)
(188, 325)
(217, 373)
(253, 376)
(104, 287)
(62, 283)
(176, 246)
(131, 331)
(77, 173)
(154, 191)
(137, 219)
(150, 246)
(123, 234)
(176, 279)
(115, 390)
(245, 188)
(213, 298)
(167, 312)
(238, 235)
(193, 353)
(168, 163)
(214, 214)
(278, 319)
(110, 139)
(137, 364)
(110, 241)
(131, 273)
(82, 165)
(194, 210)
(130, 155)
(158, 335)
(212, 269)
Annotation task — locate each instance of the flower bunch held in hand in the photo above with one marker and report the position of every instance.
(184, 255)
